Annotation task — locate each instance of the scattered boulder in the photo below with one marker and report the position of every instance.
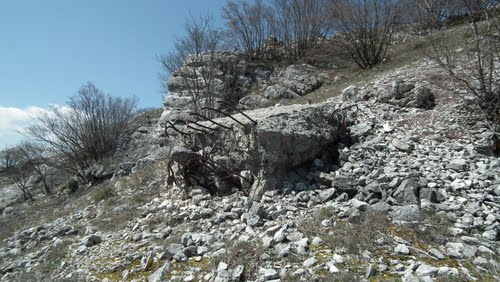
(91, 240)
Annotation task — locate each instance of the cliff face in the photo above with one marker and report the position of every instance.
(229, 77)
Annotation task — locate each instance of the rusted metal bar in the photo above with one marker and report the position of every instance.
(197, 129)
(238, 110)
(201, 125)
(171, 125)
(208, 119)
(226, 169)
(226, 114)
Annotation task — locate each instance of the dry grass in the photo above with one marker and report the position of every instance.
(399, 55)
(353, 237)
(246, 253)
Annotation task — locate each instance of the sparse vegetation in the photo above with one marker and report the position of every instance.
(366, 28)
(89, 129)
(103, 193)
(480, 79)
(137, 200)
(70, 186)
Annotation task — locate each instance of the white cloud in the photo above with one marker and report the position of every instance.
(12, 120)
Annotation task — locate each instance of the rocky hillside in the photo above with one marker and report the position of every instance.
(395, 179)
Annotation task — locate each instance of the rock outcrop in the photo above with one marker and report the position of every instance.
(271, 142)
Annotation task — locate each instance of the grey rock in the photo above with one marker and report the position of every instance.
(237, 273)
(405, 94)
(421, 97)
(361, 129)
(158, 275)
(346, 184)
(426, 270)
(401, 87)
(316, 241)
(301, 78)
(490, 235)
(327, 194)
(407, 192)
(251, 219)
(197, 239)
(430, 195)
(370, 271)
(174, 248)
(275, 92)
(282, 250)
(269, 274)
(252, 101)
(381, 206)
(402, 249)
(163, 234)
(354, 93)
(401, 145)
(406, 214)
(455, 250)
(310, 262)
(359, 205)
(91, 240)
(280, 235)
(326, 222)
(457, 165)
(332, 268)
(301, 246)
(436, 253)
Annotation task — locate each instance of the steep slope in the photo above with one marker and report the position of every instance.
(395, 179)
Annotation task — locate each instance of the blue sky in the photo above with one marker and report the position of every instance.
(49, 48)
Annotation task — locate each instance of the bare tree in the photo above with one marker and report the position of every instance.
(301, 25)
(366, 28)
(481, 78)
(7, 158)
(434, 14)
(195, 62)
(249, 26)
(91, 128)
(431, 14)
(34, 157)
(20, 172)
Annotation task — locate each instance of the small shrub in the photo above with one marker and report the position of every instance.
(103, 193)
(242, 253)
(71, 186)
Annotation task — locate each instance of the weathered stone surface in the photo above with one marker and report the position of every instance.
(406, 214)
(426, 270)
(158, 275)
(407, 192)
(283, 138)
(91, 240)
(354, 93)
(276, 92)
(361, 129)
(405, 94)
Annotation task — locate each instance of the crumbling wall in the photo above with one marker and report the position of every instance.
(260, 148)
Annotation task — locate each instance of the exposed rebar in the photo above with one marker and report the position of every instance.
(208, 119)
(171, 125)
(201, 125)
(226, 114)
(238, 110)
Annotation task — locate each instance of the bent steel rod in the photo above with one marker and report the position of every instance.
(238, 110)
(201, 125)
(197, 129)
(226, 114)
(174, 128)
(208, 119)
